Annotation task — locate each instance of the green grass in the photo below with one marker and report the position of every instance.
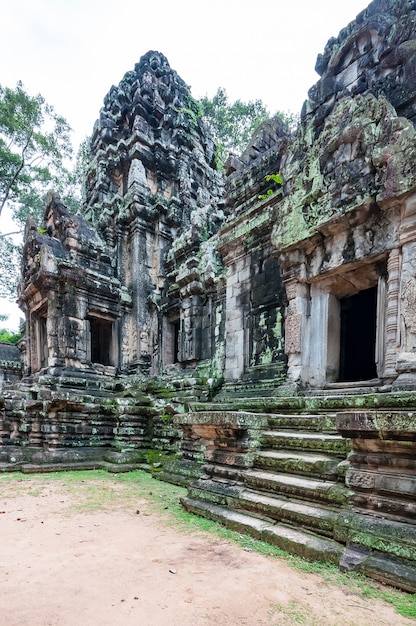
(100, 490)
(294, 613)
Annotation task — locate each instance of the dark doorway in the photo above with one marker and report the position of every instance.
(43, 341)
(358, 336)
(176, 330)
(101, 333)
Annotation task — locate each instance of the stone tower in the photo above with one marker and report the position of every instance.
(99, 303)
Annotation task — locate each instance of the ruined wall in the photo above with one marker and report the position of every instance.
(255, 297)
(344, 223)
(105, 306)
(95, 288)
(379, 529)
(10, 363)
(373, 54)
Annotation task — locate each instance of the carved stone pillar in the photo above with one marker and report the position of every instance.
(391, 314)
(406, 359)
(235, 334)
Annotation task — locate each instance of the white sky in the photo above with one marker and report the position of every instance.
(72, 51)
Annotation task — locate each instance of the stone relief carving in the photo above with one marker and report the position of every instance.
(188, 338)
(293, 324)
(144, 340)
(409, 314)
(137, 173)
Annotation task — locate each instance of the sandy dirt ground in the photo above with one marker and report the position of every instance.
(65, 562)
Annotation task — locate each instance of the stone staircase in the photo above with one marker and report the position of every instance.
(290, 490)
(276, 467)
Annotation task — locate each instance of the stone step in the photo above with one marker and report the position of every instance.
(320, 518)
(387, 568)
(326, 401)
(33, 468)
(293, 462)
(294, 541)
(302, 488)
(317, 423)
(315, 442)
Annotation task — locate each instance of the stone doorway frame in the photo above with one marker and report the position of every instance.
(321, 328)
(105, 326)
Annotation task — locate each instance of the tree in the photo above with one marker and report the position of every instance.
(10, 257)
(34, 143)
(35, 149)
(7, 336)
(234, 124)
(77, 190)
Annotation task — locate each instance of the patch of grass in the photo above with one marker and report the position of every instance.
(293, 613)
(97, 489)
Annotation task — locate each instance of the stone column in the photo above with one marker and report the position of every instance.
(234, 324)
(324, 343)
(391, 315)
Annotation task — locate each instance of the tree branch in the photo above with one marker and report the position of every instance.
(16, 174)
(14, 232)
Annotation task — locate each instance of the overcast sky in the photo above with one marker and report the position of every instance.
(72, 51)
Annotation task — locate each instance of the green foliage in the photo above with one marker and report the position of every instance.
(9, 268)
(34, 143)
(7, 336)
(274, 178)
(194, 107)
(268, 193)
(35, 147)
(290, 119)
(193, 119)
(193, 110)
(74, 193)
(232, 124)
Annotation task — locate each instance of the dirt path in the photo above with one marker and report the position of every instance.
(63, 564)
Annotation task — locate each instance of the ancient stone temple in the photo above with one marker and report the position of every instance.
(99, 302)
(255, 330)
